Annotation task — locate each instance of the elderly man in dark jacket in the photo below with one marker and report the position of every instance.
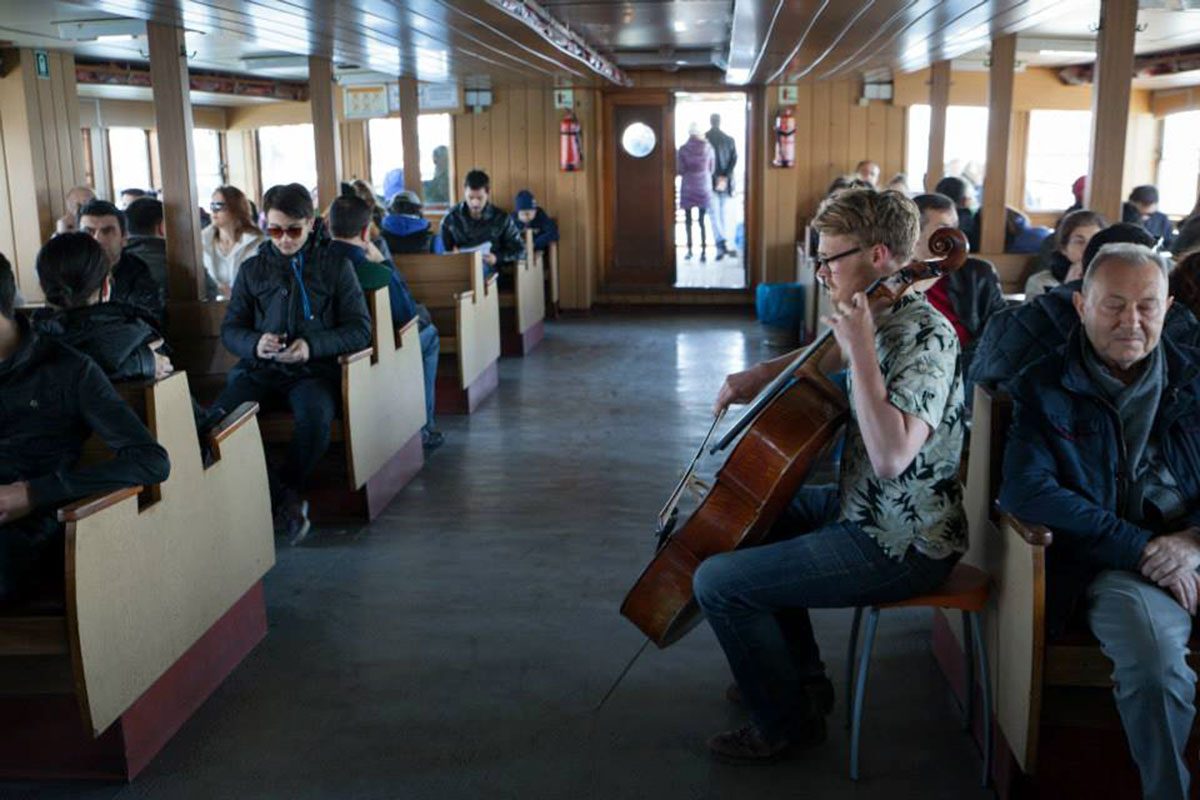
(1105, 451)
(1018, 336)
(51, 399)
(294, 309)
(476, 221)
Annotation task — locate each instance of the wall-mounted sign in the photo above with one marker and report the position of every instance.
(41, 63)
(789, 94)
(365, 102)
(439, 97)
(564, 98)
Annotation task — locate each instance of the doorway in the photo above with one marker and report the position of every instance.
(722, 220)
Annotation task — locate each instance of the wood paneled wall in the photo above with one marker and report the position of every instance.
(516, 142)
(41, 158)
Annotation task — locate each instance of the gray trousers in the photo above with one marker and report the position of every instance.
(1144, 632)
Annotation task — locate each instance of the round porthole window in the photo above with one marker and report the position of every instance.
(638, 140)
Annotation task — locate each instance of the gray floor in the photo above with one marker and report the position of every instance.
(458, 647)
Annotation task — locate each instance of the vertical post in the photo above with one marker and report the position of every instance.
(1000, 104)
(1110, 106)
(325, 128)
(939, 100)
(410, 140)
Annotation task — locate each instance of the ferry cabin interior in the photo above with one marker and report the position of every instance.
(456, 630)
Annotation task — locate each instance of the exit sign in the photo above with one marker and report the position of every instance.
(41, 62)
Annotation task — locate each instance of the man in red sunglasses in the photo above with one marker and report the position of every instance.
(293, 310)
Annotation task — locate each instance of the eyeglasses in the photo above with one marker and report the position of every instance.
(292, 231)
(825, 261)
(216, 206)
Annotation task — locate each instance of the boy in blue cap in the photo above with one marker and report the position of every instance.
(528, 215)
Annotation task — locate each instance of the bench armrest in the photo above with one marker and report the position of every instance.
(1034, 535)
(95, 504)
(350, 358)
(231, 422)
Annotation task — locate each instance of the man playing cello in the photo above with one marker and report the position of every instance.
(892, 528)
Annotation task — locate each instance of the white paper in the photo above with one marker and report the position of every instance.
(484, 248)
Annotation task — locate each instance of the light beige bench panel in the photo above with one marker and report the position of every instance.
(552, 265)
(1019, 582)
(487, 330)
(530, 288)
(147, 585)
(385, 394)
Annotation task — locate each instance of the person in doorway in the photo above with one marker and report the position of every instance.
(868, 172)
(1126, 536)
(294, 309)
(694, 163)
(725, 160)
(406, 231)
(76, 198)
(132, 281)
(893, 528)
(529, 214)
(54, 398)
(349, 227)
(1074, 233)
(233, 237)
(1144, 200)
(476, 222)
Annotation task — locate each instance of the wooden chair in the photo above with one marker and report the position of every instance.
(466, 309)
(523, 308)
(383, 411)
(163, 600)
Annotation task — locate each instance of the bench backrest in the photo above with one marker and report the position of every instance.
(437, 280)
(990, 416)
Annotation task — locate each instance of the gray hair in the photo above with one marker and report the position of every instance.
(1135, 255)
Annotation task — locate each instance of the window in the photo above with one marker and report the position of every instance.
(1059, 144)
(387, 149)
(1179, 167)
(387, 153)
(129, 154)
(207, 144)
(966, 142)
(287, 154)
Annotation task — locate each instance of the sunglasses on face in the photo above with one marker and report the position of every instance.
(292, 231)
(216, 206)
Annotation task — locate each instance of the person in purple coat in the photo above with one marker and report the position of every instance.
(694, 163)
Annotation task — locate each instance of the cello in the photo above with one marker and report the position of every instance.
(776, 442)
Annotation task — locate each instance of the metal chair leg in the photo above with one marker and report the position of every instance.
(860, 689)
(853, 647)
(968, 704)
(981, 650)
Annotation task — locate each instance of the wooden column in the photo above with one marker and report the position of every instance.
(173, 121)
(1000, 105)
(410, 141)
(325, 129)
(939, 100)
(1110, 106)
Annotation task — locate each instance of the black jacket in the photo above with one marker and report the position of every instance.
(726, 157)
(267, 298)
(153, 250)
(494, 225)
(51, 399)
(975, 294)
(116, 336)
(133, 283)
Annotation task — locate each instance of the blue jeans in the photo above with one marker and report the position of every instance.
(1144, 632)
(757, 600)
(431, 348)
(716, 211)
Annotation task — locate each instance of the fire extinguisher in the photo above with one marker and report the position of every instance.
(785, 139)
(570, 151)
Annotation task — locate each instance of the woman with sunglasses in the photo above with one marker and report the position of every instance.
(295, 307)
(231, 238)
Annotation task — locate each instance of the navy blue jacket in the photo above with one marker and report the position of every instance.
(545, 229)
(1065, 466)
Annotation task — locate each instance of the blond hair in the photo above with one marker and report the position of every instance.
(870, 218)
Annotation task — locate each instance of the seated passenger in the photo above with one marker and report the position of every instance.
(122, 339)
(967, 297)
(144, 218)
(405, 230)
(1105, 451)
(77, 197)
(51, 399)
(529, 215)
(1145, 200)
(893, 528)
(132, 281)
(1018, 336)
(294, 309)
(1188, 239)
(127, 196)
(233, 237)
(966, 201)
(1074, 232)
(1020, 236)
(475, 221)
(349, 223)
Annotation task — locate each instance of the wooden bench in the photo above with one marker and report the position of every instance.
(194, 331)
(552, 281)
(466, 309)
(523, 308)
(163, 600)
(383, 411)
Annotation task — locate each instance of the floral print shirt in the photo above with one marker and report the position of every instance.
(919, 356)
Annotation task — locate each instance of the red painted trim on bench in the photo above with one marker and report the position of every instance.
(522, 344)
(331, 502)
(453, 399)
